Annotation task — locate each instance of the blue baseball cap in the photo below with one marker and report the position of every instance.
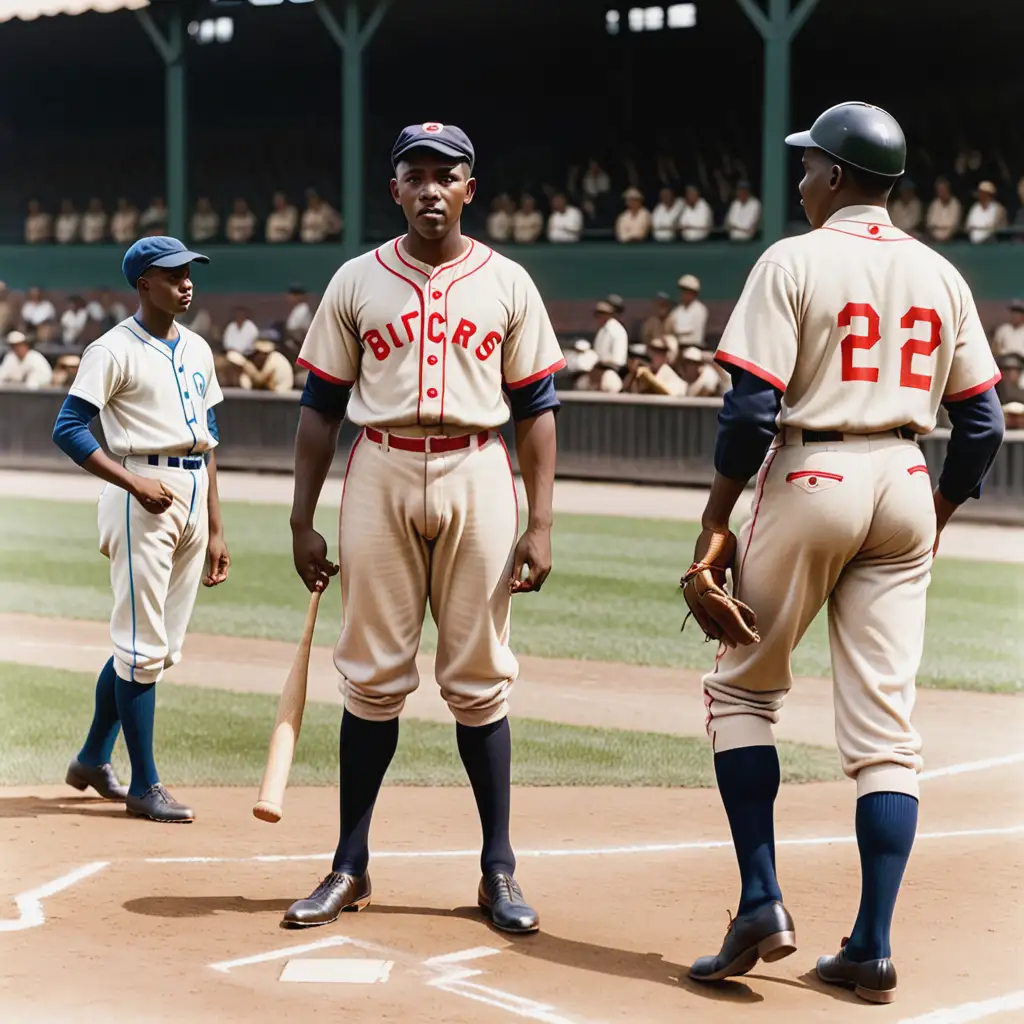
(445, 139)
(157, 251)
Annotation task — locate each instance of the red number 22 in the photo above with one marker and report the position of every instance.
(914, 347)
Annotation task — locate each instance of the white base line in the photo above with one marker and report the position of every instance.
(597, 851)
(226, 966)
(971, 766)
(968, 1012)
(30, 905)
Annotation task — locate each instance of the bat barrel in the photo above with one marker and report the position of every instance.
(266, 811)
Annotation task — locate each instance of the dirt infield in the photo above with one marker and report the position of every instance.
(100, 932)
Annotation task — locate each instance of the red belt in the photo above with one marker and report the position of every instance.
(434, 443)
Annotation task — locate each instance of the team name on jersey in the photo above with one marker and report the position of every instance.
(464, 336)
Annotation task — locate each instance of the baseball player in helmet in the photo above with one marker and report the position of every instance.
(842, 347)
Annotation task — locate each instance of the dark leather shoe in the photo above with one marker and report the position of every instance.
(158, 805)
(873, 980)
(101, 778)
(767, 934)
(500, 897)
(337, 892)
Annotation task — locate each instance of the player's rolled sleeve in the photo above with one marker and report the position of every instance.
(100, 376)
(762, 334)
(331, 346)
(531, 350)
(974, 367)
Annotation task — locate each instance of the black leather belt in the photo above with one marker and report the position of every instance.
(821, 436)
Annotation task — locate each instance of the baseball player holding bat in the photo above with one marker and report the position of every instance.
(428, 342)
(843, 345)
(152, 383)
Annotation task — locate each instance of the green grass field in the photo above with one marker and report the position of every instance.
(213, 737)
(613, 595)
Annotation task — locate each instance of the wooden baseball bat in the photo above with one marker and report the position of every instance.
(286, 728)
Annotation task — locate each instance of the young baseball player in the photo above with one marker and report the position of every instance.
(428, 342)
(152, 383)
(843, 345)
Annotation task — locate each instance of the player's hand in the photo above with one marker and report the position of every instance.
(309, 550)
(152, 495)
(533, 552)
(218, 561)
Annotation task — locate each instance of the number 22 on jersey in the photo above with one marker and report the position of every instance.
(854, 369)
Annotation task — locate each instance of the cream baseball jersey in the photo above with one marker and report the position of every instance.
(862, 327)
(153, 397)
(431, 346)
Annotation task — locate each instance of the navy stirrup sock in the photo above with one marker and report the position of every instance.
(136, 704)
(486, 752)
(106, 723)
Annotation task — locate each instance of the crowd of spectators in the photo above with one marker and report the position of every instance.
(944, 219)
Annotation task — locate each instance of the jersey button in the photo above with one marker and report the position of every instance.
(431, 392)
(181, 369)
(186, 394)
(432, 360)
(435, 295)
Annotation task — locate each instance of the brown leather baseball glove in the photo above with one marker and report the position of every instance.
(721, 616)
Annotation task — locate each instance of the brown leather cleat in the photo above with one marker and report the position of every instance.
(337, 892)
(500, 897)
(101, 777)
(767, 934)
(871, 980)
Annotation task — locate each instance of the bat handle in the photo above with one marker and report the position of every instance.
(267, 811)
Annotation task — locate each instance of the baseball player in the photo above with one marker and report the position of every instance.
(152, 383)
(419, 340)
(843, 345)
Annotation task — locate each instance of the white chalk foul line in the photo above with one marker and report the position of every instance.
(967, 1012)
(594, 851)
(226, 966)
(971, 766)
(30, 904)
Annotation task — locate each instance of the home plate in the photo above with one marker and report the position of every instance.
(337, 970)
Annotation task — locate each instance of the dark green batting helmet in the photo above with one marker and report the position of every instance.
(860, 135)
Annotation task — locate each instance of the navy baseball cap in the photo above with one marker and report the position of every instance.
(157, 251)
(445, 139)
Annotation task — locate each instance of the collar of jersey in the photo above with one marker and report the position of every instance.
(426, 268)
(864, 214)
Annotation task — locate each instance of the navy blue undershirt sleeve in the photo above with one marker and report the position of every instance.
(977, 433)
(747, 425)
(71, 432)
(325, 396)
(211, 424)
(533, 399)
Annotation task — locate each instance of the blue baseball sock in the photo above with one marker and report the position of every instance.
(365, 751)
(486, 753)
(136, 704)
(106, 723)
(886, 825)
(748, 781)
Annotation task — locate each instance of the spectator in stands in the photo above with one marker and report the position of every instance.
(105, 311)
(240, 335)
(596, 375)
(986, 216)
(228, 374)
(595, 182)
(1013, 413)
(659, 378)
(702, 379)
(38, 224)
(205, 221)
(124, 225)
(743, 219)
(905, 209)
(94, 222)
(944, 213)
(320, 220)
(638, 356)
(565, 222)
(8, 310)
(1009, 388)
(38, 316)
(1018, 217)
(299, 318)
(268, 369)
(73, 321)
(499, 220)
(68, 224)
(689, 319)
(65, 370)
(154, 218)
(657, 323)
(696, 219)
(665, 216)
(634, 223)
(611, 342)
(282, 221)
(241, 225)
(1009, 337)
(23, 365)
(527, 222)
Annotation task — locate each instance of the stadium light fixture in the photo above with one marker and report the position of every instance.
(650, 19)
(212, 30)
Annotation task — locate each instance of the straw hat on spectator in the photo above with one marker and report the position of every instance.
(17, 338)
(693, 355)
(667, 343)
(690, 282)
(988, 187)
(265, 345)
(1014, 408)
(604, 306)
(632, 193)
